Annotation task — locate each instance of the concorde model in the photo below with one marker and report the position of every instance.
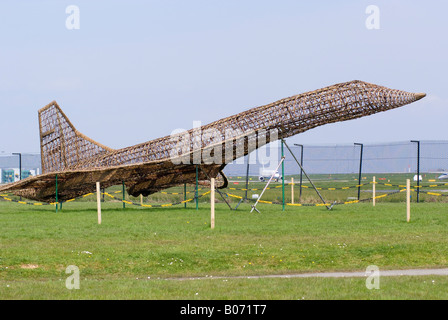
(74, 163)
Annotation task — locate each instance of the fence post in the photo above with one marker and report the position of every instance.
(408, 200)
(247, 175)
(418, 169)
(185, 195)
(212, 202)
(123, 194)
(373, 191)
(283, 180)
(292, 190)
(98, 201)
(301, 170)
(196, 189)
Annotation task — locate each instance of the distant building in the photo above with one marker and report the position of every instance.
(9, 166)
(8, 175)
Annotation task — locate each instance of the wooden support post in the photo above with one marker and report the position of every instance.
(141, 200)
(212, 202)
(408, 200)
(292, 190)
(98, 201)
(373, 191)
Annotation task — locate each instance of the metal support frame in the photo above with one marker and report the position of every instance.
(306, 175)
(265, 187)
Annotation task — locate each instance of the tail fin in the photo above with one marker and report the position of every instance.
(62, 146)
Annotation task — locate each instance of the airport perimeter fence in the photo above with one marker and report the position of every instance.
(334, 170)
(342, 159)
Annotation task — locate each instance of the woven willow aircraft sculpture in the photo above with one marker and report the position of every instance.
(79, 162)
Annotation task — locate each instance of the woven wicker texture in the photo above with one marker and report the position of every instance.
(150, 167)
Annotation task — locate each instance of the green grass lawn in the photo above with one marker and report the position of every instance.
(132, 253)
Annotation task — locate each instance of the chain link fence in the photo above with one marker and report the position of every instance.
(395, 157)
(335, 160)
(333, 168)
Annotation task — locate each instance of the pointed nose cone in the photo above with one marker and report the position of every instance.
(419, 96)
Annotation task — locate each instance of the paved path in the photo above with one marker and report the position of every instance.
(385, 273)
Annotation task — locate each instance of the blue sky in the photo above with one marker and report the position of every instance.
(137, 70)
